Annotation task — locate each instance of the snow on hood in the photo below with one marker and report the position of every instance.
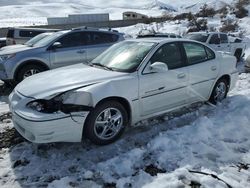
(14, 50)
(63, 79)
(11, 47)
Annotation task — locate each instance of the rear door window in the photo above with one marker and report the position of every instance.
(102, 38)
(196, 53)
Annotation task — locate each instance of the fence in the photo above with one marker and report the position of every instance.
(103, 24)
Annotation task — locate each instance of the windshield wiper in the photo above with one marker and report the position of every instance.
(101, 65)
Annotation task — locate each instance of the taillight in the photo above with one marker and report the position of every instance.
(14, 42)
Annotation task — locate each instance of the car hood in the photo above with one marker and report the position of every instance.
(10, 50)
(11, 47)
(55, 81)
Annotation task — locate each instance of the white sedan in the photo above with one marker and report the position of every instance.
(131, 81)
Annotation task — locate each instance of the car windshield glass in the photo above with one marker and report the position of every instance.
(47, 40)
(37, 38)
(125, 56)
(197, 37)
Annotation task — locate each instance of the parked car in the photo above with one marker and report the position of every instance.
(30, 42)
(17, 35)
(131, 81)
(59, 49)
(2, 42)
(220, 42)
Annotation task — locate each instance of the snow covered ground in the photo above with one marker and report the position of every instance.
(204, 138)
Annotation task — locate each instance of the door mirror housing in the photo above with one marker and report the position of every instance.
(159, 67)
(56, 45)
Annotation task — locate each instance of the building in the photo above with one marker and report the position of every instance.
(133, 16)
(78, 18)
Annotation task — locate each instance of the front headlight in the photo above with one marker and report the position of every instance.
(45, 106)
(67, 102)
(6, 57)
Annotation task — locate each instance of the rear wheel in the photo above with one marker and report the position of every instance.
(106, 123)
(219, 92)
(28, 70)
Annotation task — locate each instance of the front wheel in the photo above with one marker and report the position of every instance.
(106, 123)
(219, 92)
(28, 71)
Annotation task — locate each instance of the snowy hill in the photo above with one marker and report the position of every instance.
(160, 6)
(215, 4)
(34, 12)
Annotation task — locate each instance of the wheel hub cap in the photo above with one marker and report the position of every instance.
(108, 123)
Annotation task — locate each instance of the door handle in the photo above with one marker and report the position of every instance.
(213, 68)
(181, 75)
(81, 51)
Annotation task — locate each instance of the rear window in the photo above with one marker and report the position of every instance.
(29, 34)
(10, 33)
(196, 53)
(197, 37)
(101, 38)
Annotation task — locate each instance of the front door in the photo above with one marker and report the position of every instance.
(164, 90)
(214, 42)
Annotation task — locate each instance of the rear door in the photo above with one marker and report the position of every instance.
(203, 71)
(72, 50)
(100, 41)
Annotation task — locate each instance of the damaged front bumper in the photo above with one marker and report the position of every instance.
(45, 128)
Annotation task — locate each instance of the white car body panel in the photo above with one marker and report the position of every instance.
(147, 94)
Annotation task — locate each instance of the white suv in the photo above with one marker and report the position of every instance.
(18, 35)
(131, 81)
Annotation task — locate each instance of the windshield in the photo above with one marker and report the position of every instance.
(47, 40)
(37, 38)
(197, 37)
(124, 56)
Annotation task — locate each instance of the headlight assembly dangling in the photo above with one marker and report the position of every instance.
(66, 102)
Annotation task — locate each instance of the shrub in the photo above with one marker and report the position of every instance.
(206, 11)
(240, 11)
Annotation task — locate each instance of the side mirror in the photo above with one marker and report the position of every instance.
(56, 45)
(159, 67)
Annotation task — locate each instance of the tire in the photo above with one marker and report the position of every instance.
(219, 92)
(109, 128)
(28, 70)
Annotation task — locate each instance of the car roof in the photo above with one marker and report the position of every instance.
(162, 40)
(204, 32)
